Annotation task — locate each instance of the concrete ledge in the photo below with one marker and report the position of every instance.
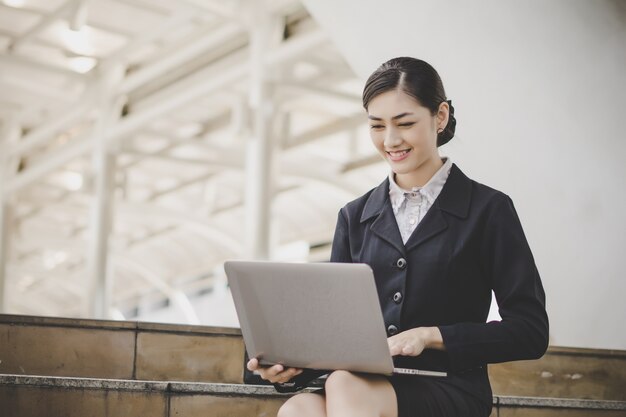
(583, 352)
(131, 350)
(19, 320)
(131, 385)
(63, 347)
(571, 403)
(83, 383)
(239, 390)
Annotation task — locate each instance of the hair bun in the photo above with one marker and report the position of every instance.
(447, 133)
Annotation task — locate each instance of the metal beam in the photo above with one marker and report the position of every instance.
(104, 162)
(362, 162)
(216, 7)
(27, 86)
(5, 241)
(205, 42)
(8, 136)
(172, 22)
(259, 170)
(60, 13)
(21, 62)
(195, 223)
(56, 125)
(305, 170)
(333, 127)
(205, 81)
(182, 184)
(300, 87)
(133, 81)
(41, 13)
(177, 297)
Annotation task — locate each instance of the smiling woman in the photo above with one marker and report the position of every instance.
(439, 243)
(409, 118)
(407, 140)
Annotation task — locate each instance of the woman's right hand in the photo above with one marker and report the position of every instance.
(275, 374)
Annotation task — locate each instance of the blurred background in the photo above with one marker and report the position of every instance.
(144, 142)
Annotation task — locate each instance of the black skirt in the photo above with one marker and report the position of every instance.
(433, 397)
(427, 396)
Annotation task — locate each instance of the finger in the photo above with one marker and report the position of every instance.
(287, 374)
(253, 364)
(272, 373)
(293, 372)
(407, 350)
(267, 372)
(277, 369)
(394, 349)
(280, 377)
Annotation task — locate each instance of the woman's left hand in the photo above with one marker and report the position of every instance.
(412, 342)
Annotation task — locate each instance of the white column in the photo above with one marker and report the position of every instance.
(103, 173)
(9, 136)
(259, 158)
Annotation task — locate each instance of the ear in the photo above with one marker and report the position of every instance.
(443, 115)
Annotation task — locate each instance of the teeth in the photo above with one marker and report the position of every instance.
(398, 153)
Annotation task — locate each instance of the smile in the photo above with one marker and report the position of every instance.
(398, 155)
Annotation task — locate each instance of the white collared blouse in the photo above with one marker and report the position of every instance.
(410, 207)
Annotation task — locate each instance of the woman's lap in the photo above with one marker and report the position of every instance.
(426, 397)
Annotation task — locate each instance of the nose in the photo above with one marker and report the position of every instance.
(392, 138)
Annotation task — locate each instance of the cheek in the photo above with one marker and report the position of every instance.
(423, 137)
(377, 140)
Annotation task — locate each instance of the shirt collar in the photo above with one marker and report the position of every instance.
(430, 190)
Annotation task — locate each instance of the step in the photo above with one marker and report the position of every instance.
(32, 345)
(564, 373)
(53, 346)
(30, 396)
(35, 396)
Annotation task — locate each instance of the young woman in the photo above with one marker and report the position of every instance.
(439, 243)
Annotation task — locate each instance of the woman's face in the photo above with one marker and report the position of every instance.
(404, 132)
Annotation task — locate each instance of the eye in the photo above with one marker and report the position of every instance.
(376, 126)
(407, 124)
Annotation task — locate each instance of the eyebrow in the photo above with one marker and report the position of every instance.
(399, 116)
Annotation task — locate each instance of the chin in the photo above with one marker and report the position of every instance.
(404, 169)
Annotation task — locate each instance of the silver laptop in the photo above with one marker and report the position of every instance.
(312, 315)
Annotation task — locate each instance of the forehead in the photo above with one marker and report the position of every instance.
(393, 102)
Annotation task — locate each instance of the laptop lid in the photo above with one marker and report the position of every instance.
(310, 315)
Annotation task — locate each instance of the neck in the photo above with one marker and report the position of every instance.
(421, 176)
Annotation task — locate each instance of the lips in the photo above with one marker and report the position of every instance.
(396, 156)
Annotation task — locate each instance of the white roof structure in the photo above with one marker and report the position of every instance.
(145, 142)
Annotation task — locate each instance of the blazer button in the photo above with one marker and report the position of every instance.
(401, 263)
(392, 330)
(397, 297)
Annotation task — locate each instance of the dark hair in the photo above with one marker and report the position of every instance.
(416, 78)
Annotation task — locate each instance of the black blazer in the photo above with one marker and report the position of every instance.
(469, 243)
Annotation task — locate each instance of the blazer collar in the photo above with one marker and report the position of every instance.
(454, 197)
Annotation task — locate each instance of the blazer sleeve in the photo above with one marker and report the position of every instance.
(340, 252)
(508, 262)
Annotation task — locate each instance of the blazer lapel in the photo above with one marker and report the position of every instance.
(385, 225)
(454, 198)
(432, 224)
